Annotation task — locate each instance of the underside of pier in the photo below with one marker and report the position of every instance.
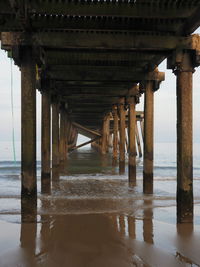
(91, 61)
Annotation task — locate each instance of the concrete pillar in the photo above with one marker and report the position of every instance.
(63, 137)
(132, 144)
(184, 73)
(148, 138)
(115, 134)
(55, 135)
(122, 127)
(46, 142)
(28, 124)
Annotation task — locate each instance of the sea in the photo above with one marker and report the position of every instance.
(93, 172)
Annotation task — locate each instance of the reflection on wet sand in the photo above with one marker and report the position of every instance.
(148, 222)
(28, 243)
(83, 240)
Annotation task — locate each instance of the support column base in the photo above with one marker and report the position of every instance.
(147, 183)
(184, 206)
(132, 174)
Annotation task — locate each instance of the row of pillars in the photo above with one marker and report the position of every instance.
(119, 141)
(58, 134)
(183, 70)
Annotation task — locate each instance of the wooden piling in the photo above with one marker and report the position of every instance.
(142, 129)
(184, 140)
(122, 126)
(132, 144)
(46, 142)
(148, 139)
(28, 126)
(63, 144)
(115, 134)
(126, 141)
(55, 134)
(105, 134)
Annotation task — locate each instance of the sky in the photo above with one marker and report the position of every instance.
(164, 104)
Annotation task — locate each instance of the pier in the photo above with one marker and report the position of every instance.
(92, 61)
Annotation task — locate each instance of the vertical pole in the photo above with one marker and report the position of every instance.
(63, 137)
(105, 132)
(108, 133)
(46, 142)
(184, 140)
(148, 139)
(122, 136)
(55, 135)
(138, 140)
(28, 130)
(126, 141)
(142, 128)
(115, 134)
(132, 144)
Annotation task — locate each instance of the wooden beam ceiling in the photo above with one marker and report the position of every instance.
(92, 52)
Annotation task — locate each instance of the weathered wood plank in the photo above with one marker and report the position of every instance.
(110, 40)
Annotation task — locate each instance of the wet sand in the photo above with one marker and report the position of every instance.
(98, 220)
